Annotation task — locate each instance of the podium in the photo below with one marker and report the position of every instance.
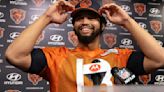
(127, 88)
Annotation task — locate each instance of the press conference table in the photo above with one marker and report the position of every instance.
(130, 88)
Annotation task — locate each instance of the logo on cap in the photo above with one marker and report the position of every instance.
(85, 3)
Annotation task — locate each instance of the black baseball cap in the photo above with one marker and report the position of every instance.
(93, 8)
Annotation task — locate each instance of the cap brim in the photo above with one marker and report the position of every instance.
(79, 10)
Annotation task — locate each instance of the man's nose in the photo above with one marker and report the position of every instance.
(85, 20)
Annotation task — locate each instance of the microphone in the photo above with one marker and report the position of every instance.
(97, 77)
(123, 75)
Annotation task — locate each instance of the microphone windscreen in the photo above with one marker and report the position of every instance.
(114, 70)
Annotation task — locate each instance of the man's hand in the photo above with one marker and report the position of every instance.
(114, 13)
(58, 11)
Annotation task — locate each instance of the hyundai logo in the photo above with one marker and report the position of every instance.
(125, 7)
(159, 78)
(70, 20)
(34, 17)
(154, 11)
(110, 24)
(160, 42)
(56, 38)
(53, 1)
(14, 35)
(143, 25)
(1, 15)
(13, 76)
(126, 41)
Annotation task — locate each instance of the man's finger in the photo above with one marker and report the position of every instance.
(102, 10)
(67, 5)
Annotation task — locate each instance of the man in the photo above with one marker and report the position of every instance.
(69, 69)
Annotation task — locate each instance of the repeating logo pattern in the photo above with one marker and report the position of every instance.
(24, 12)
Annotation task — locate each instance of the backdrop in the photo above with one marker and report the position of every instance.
(15, 15)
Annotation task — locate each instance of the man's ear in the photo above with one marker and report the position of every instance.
(103, 26)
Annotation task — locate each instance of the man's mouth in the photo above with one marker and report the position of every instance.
(86, 29)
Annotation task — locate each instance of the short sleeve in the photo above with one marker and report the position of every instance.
(135, 63)
(38, 61)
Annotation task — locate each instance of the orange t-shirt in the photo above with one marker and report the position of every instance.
(61, 65)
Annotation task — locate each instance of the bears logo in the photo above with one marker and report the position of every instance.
(156, 26)
(109, 39)
(35, 79)
(145, 79)
(17, 15)
(38, 3)
(85, 3)
(139, 8)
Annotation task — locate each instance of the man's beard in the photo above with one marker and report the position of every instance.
(87, 39)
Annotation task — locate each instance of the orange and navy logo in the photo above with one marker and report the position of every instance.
(85, 3)
(110, 39)
(17, 15)
(139, 8)
(34, 79)
(145, 79)
(156, 26)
